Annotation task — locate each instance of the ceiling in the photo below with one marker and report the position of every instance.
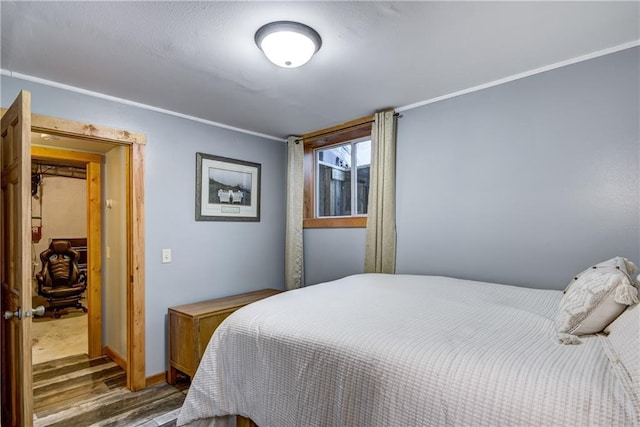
(200, 59)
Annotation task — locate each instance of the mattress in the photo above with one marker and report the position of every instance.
(391, 350)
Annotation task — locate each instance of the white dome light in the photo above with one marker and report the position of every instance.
(288, 44)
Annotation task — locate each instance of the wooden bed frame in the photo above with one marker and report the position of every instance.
(244, 422)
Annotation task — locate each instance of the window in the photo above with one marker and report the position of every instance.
(342, 179)
(337, 165)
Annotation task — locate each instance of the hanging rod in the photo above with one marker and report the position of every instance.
(60, 170)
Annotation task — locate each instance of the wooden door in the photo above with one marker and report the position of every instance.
(15, 239)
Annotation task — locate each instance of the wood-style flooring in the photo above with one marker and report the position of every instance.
(76, 391)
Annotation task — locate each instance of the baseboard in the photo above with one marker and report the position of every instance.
(156, 379)
(120, 361)
(115, 356)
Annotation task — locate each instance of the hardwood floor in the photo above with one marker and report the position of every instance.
(76, 391)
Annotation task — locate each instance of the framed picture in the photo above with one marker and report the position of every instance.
(227, 189)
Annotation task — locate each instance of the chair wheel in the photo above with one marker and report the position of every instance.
(84, 309)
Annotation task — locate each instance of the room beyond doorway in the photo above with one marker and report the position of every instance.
(58, 210)
(45, 157)
(104, 171)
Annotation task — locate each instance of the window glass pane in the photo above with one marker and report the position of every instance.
(333, 196)
(363, 161)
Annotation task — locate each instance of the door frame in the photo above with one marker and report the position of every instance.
(92, 164)
(135, 144)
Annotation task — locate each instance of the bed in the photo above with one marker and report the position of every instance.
(407, 350)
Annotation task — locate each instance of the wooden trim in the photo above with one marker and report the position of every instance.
(49, 153)
(115, 356)
(158, 378)
(129, 277)
(135, 290)
(338, 133)
(337, 222)
(334, 135)
(309, 187)
(342, 137)
(85, 131)
(94, 260)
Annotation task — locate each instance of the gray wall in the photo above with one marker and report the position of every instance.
(210, 259)
(332, 253)
(526, 183)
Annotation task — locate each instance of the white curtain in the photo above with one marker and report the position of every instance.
(293, 258)
(380, 251)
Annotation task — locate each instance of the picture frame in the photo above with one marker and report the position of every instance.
(227, 189)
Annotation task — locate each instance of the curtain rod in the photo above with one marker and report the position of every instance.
(340, 130)
(336, 131)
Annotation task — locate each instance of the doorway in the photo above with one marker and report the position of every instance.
(102, 139)
(59, 214)
(91, 163)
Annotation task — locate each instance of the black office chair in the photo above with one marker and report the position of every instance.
(60, 281)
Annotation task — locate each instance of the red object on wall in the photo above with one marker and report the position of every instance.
(36, 233)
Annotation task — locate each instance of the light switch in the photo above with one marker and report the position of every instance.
(108, 252)
(166, 256)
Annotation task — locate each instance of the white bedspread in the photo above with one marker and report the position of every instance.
(403, 350)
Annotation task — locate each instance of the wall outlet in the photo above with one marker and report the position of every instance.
(166, 256)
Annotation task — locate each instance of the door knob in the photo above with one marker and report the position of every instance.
(39, 310)
(9, 314)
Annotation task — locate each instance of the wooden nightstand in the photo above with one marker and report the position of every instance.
(192, 325)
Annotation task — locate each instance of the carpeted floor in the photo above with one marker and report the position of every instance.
(57, 338)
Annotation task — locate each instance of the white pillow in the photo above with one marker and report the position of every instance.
(594, 299)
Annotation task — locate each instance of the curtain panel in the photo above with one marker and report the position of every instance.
(293, 260)
(380, 250)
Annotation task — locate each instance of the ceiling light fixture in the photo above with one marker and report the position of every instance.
(288, 44)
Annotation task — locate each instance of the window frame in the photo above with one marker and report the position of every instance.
(326, 138)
